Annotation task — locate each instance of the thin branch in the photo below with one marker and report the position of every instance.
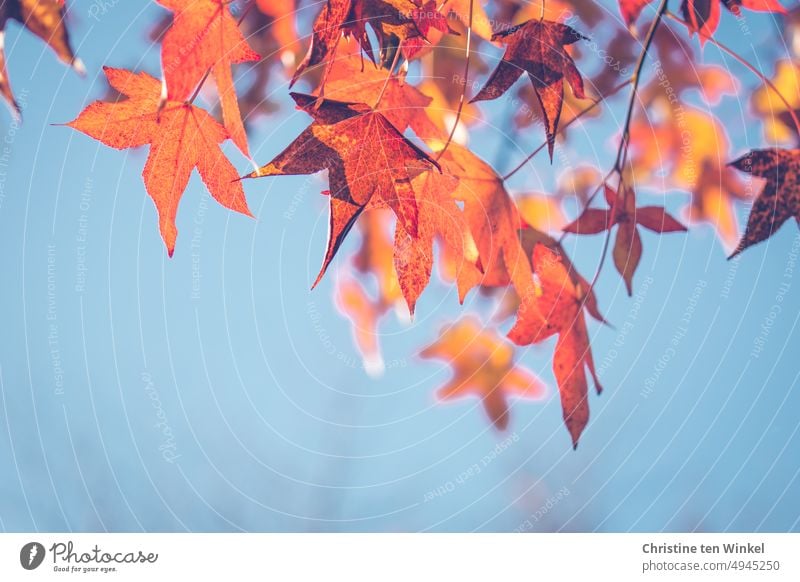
(564, 126)
(392, 67)
(637, 74)
(622, 153)
(746, 64)
(466, 83)
(245, 12)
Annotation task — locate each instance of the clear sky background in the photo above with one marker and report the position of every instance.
(273, 424)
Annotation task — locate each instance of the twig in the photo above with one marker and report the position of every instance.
(622, 153)
(637, 73)
(564, 126)
(245, 12)
(466, 83)
(392, 67)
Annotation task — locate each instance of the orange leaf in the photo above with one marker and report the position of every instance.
(401, 103)
(483, 365)
(181, 137)
(45, 19)
(369, 163)
(493, 220)
(532, 237)
(557, 308)
(364, 314)
(375, 255)
(204, 36)
(662, 145)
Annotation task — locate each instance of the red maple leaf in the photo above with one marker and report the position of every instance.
(624, 213)
(181, 137)
(779, 200)
(537, 47)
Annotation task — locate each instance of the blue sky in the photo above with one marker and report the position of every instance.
(133, 401)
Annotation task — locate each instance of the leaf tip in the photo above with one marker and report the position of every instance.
(79, 67)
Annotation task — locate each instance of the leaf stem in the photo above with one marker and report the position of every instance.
(392, 67)
(245, 12)
(746, 64)
(466, 83)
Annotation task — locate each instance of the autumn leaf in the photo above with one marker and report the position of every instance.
(624, 214)
(688, 145)
(778, 123)
(703, 16)
(328, 30)
(400, 102)
(394, 22)
(492, 218)
(541, 211)
(557, 308)
(370, 164)
(537, 47)
(45, 19)
(483, 366)
(364, 314)
(427, 19)
(439, 219)
(204, 36)
(181, 137)
(503, 241)
(531, 237)
(779, 200)
(375, 254)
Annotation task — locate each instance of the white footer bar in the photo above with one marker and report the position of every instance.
(400, 557)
